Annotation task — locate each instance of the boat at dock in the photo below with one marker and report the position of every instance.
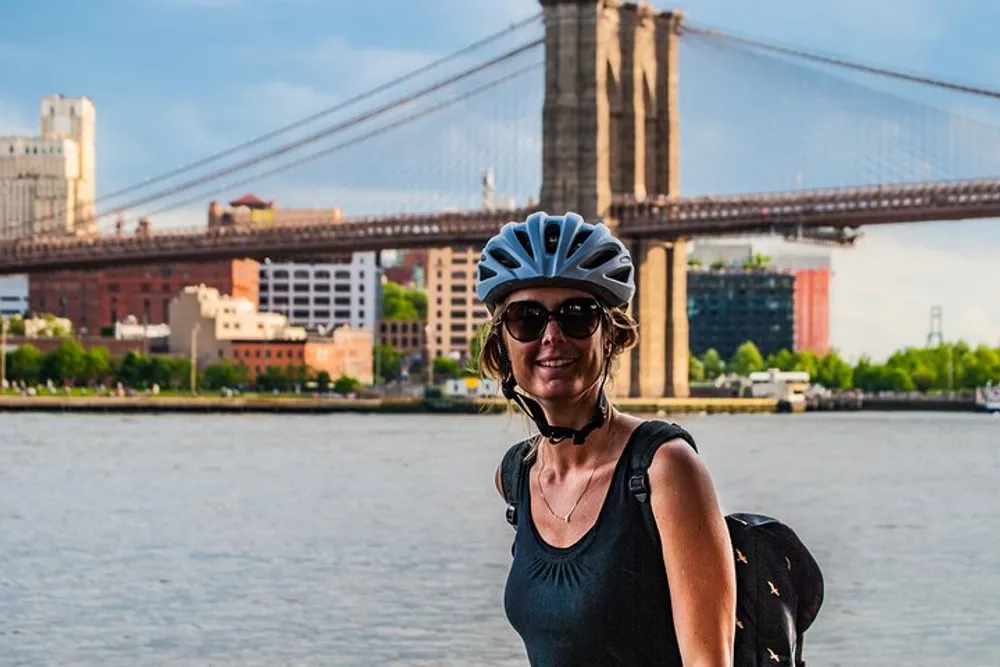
(988, 399)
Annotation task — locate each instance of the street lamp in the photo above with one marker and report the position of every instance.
(194, 357)
(3, 352)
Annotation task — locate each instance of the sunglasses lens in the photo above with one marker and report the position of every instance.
(579, 318)
(526, 320)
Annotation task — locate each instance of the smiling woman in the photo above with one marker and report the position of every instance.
(588, 584)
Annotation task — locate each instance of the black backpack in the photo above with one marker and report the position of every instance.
(779, 586)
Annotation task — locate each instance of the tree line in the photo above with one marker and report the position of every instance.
(944, 368)
(70, 364)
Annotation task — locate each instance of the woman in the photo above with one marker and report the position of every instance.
(587, 585)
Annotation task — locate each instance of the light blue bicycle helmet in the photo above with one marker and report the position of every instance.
(555, 251)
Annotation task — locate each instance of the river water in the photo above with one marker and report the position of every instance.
(380, 540)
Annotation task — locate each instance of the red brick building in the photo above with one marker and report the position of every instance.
(95, 299)
(345, 353)
(812, 310)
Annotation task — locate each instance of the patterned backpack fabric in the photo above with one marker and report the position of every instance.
(779, 585)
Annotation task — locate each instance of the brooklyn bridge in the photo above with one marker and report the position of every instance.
(594, 93)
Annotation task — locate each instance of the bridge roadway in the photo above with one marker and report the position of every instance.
(660, 217)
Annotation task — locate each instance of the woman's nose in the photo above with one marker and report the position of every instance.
(552, 332)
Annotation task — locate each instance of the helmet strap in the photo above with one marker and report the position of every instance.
(530, 406)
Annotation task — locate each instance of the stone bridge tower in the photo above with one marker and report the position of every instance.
(610, 122)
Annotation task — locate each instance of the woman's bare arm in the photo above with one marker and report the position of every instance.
(697, 554)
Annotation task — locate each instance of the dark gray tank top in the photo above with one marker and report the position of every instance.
(602, 602)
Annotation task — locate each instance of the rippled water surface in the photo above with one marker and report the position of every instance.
(380, 540)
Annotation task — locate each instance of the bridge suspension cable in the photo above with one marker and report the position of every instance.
(844, 63)
(360, 97)
(325, 132)
(806, 125)
(354, 140)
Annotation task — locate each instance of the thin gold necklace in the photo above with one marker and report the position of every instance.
(565, 518)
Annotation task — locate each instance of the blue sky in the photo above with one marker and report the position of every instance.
(175, 80)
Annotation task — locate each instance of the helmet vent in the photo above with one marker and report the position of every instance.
(552, 231)
(486, 273)
(621, 275)
(578, 241)
(522, 238)
(598, 258)
(504, 257)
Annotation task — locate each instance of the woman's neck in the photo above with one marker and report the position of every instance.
(564, 455)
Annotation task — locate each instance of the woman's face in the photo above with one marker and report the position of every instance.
(548, 362)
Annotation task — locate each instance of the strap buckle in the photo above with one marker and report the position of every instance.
(639, 487)
(511, 514)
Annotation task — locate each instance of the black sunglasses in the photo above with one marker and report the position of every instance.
(577, 317)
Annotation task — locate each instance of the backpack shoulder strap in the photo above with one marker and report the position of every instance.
(514, 461)
(645, 443)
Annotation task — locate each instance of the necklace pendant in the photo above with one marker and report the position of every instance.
(566, 518)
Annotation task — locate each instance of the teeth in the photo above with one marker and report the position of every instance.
(555, 363)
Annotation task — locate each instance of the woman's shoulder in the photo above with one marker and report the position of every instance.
(515, 456)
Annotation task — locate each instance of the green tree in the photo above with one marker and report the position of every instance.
(806, 361)
(696, 369)
(899, 380)
(273, 378)
(15, 326)
(446, 368)
(323, 380)
(67, 363)
(388, 360)
(25, 364)
(225, 373)
(134, 370)
(713, 363)
(783, 360)
(757, 261)
(923, 378)
(346, 385)
(402, 303)
(97, 364)
(833, 372)
(746, 359)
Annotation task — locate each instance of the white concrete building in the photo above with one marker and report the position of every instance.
(323, 295)
(13, 295)
(47, 182)
(215, 319)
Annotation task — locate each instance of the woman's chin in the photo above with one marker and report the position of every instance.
(557, 389)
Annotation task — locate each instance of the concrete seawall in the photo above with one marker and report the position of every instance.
(168, 404)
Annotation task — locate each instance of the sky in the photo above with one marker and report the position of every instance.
(177, 80)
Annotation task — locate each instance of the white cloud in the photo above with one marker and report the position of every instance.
(883, 290)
